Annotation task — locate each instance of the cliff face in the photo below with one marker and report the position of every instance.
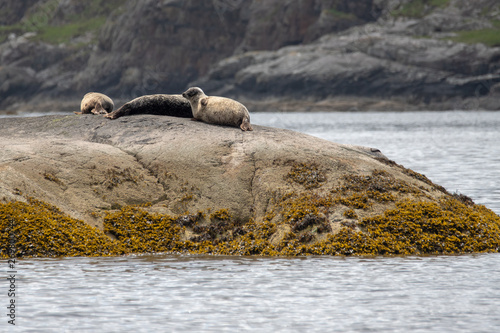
(312, 54)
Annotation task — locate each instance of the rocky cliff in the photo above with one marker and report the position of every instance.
(287, 55)
(159, 183)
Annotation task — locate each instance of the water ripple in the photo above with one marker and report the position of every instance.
(213, 294)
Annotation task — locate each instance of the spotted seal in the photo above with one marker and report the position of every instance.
(160, 104)
(96, 103)
(217, 110)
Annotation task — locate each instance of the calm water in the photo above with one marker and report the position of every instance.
(203, 294)
(317, 294)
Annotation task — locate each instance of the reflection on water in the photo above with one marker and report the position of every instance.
(214, 294)
(458, 150)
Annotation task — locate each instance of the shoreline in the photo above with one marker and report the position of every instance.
(274, 104)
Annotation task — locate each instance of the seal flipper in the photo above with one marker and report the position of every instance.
(245, 125)
(204, 101)
(124, 110)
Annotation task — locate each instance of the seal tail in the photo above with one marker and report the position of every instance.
(245, 125)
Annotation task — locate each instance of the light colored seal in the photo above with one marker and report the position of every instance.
(165, 105)
(217, 110)
(96, 103)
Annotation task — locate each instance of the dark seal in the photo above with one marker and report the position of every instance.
(164, 105)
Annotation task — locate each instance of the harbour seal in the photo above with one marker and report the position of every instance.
(217, 110)
(165, 105)
(96, 103)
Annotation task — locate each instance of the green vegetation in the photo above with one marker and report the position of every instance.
(338, 14)
(419, 8)
(41, 21)
(63, 34)
(489, 37)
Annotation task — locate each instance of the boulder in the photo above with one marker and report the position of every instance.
(215, 189)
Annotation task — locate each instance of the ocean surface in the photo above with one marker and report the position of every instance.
(169, 293)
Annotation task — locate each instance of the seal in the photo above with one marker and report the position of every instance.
(165, 105)
(217, 110)
(96, 103)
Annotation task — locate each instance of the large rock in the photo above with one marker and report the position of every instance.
(89, 164)
(214, 189)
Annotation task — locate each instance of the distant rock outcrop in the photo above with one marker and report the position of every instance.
(276, 55)
(386, 72)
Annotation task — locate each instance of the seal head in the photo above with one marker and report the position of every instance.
(96, 103)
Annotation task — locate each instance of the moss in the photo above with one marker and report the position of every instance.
(52, 178)
(449, 226)
(350, 214)
(489, 37)
(64, 33)
(432, 228)
(117, 176)
(412, 174)
(186, 197)
(221, 214)
(361, 191)
(37, 229)
(339, 15)
(90, 17)
(140, 231)
(379, 181)
(419, 8)
(308, 175)
(296, 207)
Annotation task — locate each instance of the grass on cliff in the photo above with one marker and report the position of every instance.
(419, 8)
(89, 18)
(337, 14)
(489, 37)
(64, 33)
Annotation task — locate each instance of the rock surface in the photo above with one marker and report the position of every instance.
(275, 55)
(87, 164)
(220, 190)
